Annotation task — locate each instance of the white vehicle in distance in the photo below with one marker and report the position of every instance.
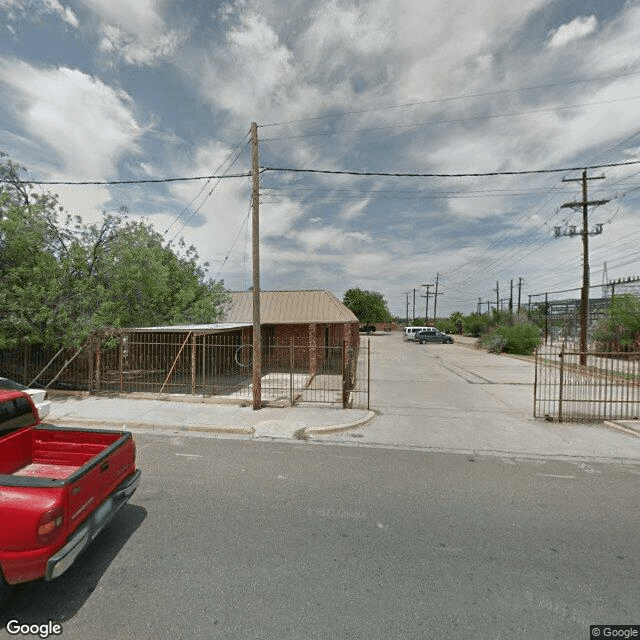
(411, 332)
(39, 396)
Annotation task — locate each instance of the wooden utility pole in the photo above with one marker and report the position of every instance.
(435, 300)
(407, 298)
(255, 229)
(520, 283)
(426, 308)
(511, 300)
(584, 298)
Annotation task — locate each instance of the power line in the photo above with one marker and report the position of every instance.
(147, 181)
(450, 175)
(239, 153)
(451, 99)
(478, 174)
(204, 186)
(451, 121)
(233, 244)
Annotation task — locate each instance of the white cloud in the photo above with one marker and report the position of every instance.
(65, 13)
(135, 31)
(355, 210)
(575, 30)
(139, 17)
(87, 202)
(136, 51)
(87, 123)
(249, 75)
(617, 43)
(330, 239)
(38, 8)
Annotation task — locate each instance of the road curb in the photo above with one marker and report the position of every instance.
(309, 432)
(110, 424)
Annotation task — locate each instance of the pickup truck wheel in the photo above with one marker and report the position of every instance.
(5, 592)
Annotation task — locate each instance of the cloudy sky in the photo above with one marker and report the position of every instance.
(112, 90)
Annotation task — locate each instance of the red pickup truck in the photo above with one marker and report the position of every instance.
(58, 488)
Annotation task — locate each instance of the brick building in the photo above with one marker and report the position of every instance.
(313, 319)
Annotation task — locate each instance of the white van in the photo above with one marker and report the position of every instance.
(410, 332)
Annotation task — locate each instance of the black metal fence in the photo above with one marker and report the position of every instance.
(574, 386)
(557, 313)
(208, 365)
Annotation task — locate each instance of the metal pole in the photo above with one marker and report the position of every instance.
(345, 374)
(561, 384)
(368, 372)
(546, 318)
(291, 365)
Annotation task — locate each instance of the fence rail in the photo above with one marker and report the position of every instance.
(575, 386)
(208, 365)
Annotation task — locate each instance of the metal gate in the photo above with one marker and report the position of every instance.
(575, 386)
(200, 364)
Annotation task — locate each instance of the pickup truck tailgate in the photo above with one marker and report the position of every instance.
(98, 461)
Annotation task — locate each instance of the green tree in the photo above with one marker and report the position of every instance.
(60, 282)
(621, 329)
(368, 306)
(30, 273)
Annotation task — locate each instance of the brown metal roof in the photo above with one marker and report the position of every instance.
(289, 307)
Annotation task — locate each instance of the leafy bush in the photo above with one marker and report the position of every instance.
(517, 339)
(458, 321)
(493, 341)
(476, 324)
(621, 329)
(446, 325)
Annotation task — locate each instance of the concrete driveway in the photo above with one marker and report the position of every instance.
(458, 398)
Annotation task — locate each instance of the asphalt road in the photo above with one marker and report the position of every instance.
(240, 539)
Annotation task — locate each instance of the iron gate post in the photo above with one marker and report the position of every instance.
(561, 384)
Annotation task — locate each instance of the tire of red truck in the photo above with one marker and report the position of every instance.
(5, 592)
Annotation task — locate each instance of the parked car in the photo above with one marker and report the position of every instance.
(433, 336)
(411, 332)
(39, 396)
(369, 328)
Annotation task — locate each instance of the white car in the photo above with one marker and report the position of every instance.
(39, 396)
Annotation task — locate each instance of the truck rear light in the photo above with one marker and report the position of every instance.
(50, 525)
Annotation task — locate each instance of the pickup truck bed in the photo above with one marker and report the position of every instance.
(52, 452)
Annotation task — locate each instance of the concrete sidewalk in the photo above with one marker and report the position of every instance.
(137, 414)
